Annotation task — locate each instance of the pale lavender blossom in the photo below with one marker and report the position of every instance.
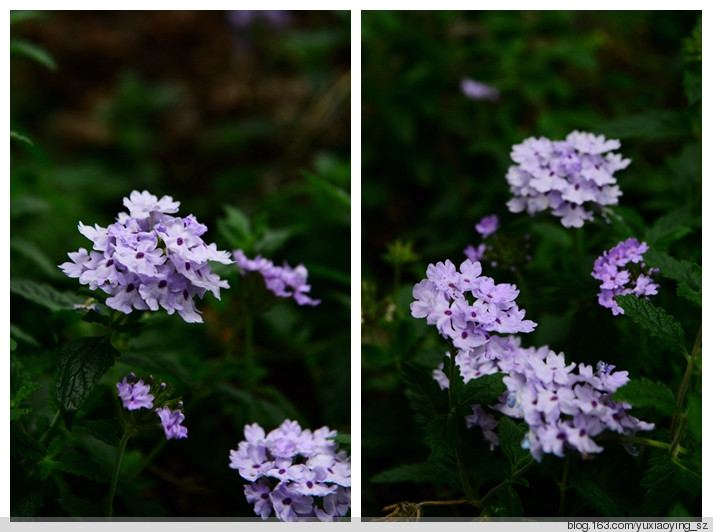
(149, 259)
(487, 225)
(135, 395)
(571, 178)
(296, 473)
(283, 281)
(171, 421)
(621, 271)
(476, 90)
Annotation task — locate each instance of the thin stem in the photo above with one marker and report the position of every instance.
(117, 466)
(684, 385)
(465, 483)
(51, 426)
(507, 481)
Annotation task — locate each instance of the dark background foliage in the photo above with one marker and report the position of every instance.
(247, 124)
(434, 163)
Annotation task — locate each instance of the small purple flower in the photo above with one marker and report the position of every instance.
(136, 395)
(283, 281)
(171, 422)
(487, 225)
(476, 90)
(621, 271)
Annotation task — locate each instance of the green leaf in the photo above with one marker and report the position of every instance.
(81, 466)
(17, 413)
(687, 274)
(81, 364)
(23, 393)
(14, 135)
(509, 504)
(27, 205)
(32, 51)
(44, 294)
(427, 472)
(646, 393)
(483, 390)
(511, 436)
(693, 86)
(669, 228)
(236, 229)
(599, 498)
(78, 507)
(13, 344)
(102, 430)
(36, 255)
(655, 320)
(336, 194)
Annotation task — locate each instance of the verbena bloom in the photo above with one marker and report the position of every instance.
(469, 309)
(283, 281)
(621, 271)
(565, 405)
(149, 259)
(476, 90)
(297, 474)
(571, 178)
(136, 395)
(487, 225)
(171, 422)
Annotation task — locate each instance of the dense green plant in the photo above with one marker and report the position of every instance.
(444, 170)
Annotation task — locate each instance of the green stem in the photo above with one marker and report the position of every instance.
(117, 466)
(507, 481)
(676, 419)
(465, 483)
(51, 426)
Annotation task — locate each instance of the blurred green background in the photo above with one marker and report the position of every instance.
(434, 163)
(242, 117)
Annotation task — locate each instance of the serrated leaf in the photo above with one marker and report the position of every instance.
(646, 393)
(427, 472)
(32, 51)
(23, 393)
(343, 439)
(81, 364)
(44, 294)
(511, 436)
(687, 274)
(81, 466)
(102, 430)
(483, 390)
(599, 498)
(655, 320)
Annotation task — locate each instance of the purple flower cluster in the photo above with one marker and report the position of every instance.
(569, 177)
(565, 409)
(469, 309)
(283, 281)
(135, 395)
(622, 271)
(290, 467)
(149, 259)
